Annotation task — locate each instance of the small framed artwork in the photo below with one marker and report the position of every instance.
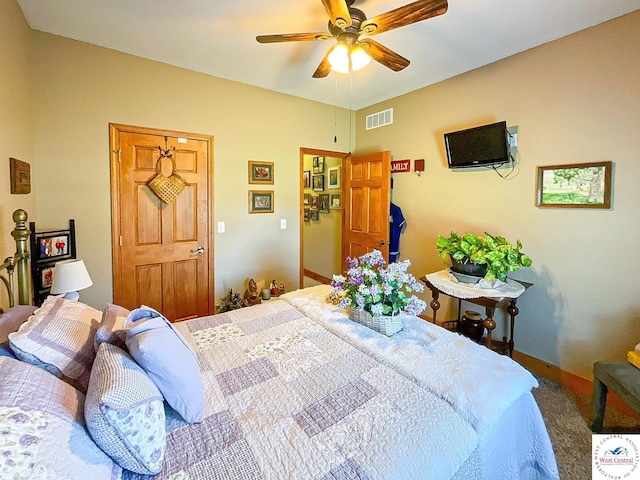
(324, 202)
(335, 201)
(46, 276)
(260, 201)
(314, 215)
(318, 165)
(307, 199)
(306, 175)
(576, 185)
(307, 214)
(318, 183)
(52, 246)
(261, 172)
(334, 177)
(315, 202)
(20, 173)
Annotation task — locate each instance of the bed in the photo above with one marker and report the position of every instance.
(287, 389)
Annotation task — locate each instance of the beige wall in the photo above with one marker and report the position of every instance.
(323, 238)
(574, 100)
(16, 124)
(80, 88)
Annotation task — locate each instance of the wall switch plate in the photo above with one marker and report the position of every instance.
(283, 223)
(220, 227)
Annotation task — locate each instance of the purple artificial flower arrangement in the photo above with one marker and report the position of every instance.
(371, 285)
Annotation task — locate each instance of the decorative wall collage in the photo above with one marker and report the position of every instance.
(317, 180)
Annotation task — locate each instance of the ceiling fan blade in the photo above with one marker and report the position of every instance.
(324, 68)
(338, 12)
(412, 13)
(384, 55)
(293, 37)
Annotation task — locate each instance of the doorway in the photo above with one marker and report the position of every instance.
(162, 252)
(321, 220)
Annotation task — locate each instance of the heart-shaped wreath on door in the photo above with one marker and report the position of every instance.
(167, 188)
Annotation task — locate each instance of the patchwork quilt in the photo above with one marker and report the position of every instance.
(287, 398)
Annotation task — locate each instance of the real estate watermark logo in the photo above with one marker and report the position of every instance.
(615, 456)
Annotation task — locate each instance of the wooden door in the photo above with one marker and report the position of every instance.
(366, 205)
(162, 253)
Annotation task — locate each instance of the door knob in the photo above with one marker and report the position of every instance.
(198, 250)
(381, 242)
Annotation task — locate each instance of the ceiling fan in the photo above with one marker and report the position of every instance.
(346, 24)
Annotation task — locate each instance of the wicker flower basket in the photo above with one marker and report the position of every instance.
(387, 325)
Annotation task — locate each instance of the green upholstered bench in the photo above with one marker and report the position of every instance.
(619, 377)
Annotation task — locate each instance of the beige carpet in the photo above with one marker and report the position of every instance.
(568, 417)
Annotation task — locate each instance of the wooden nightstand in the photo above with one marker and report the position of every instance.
(490, 304)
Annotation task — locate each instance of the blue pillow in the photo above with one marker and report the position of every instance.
(169, 361)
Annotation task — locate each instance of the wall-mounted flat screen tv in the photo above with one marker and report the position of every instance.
(478, 146)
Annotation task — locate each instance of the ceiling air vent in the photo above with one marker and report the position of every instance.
(380, 119)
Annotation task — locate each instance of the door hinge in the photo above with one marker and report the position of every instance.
(120, 240)
(118, 152)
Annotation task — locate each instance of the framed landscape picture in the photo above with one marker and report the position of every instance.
(260, 201)
(576, 185)
(334, 177)
(261, 172)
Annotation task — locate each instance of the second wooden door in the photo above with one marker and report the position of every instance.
(162, 252)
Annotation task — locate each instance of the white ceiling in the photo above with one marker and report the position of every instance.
(218, 38)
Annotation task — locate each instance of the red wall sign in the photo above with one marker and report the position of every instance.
(399, 166)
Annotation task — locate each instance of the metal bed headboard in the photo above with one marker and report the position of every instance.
(19, 261)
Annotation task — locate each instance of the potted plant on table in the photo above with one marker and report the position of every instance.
(489, 257)
(376, 292)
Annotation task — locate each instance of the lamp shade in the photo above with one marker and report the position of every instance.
(359, 59)
(339, 58)
(70, 276)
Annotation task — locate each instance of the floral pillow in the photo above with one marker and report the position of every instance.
(111, 329)
(124, 412)
(59, 338)
(43, 433)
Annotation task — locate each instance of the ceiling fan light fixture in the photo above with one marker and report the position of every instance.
(359, 59)
(339, 58)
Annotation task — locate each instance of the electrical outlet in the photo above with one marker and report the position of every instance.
(221, 227)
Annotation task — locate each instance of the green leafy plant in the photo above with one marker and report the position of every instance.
(497, 253)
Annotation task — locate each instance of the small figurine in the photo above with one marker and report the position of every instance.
(274, 288)
(281, 289)
(252, 295)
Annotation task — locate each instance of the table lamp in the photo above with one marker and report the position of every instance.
(69, 276)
